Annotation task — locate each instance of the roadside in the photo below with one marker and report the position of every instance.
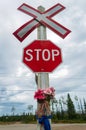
(34, 127)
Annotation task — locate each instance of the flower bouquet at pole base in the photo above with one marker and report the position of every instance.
(43, 113)
(44, 94)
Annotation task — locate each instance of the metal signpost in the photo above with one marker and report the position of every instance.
(41, 51)
(43, 78)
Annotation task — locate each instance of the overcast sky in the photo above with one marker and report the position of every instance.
(17, 82)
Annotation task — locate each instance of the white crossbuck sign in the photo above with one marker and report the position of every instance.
(39, 18)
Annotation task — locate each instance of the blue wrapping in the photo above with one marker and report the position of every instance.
(45, 120)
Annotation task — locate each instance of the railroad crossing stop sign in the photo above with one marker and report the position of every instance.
(42, 56)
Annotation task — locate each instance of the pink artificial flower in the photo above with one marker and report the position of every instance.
(52, 89)
(47, 91)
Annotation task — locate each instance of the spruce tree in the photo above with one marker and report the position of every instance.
(70, 108)
(84, 106)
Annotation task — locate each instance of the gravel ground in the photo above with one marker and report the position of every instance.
(34, 127)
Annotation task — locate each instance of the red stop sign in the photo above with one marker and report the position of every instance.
(42, 56)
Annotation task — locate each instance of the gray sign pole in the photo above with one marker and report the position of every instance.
(43, 78)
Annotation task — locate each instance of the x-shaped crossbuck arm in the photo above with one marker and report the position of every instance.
(44, 18)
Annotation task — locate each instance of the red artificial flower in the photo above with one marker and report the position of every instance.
(39, 94)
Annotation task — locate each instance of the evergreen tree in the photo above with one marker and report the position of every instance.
(84, 106)
(13, 110)
(30, 108)
(70, 108)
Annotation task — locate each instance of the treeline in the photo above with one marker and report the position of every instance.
(24, 118)
(63, 110)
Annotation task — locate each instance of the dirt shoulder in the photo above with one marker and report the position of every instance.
(69, 127)
(34, 127)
